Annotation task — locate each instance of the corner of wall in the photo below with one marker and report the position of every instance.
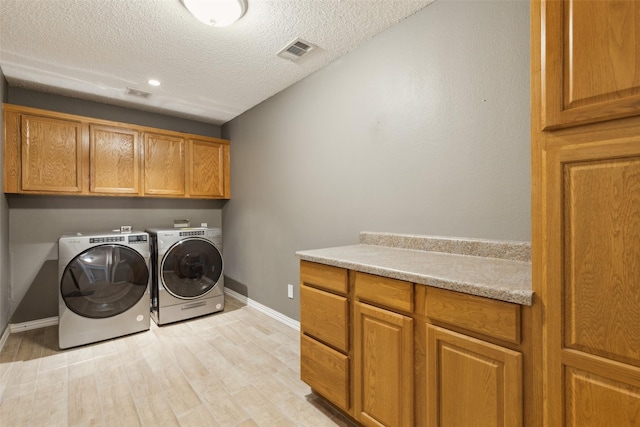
(4, 231)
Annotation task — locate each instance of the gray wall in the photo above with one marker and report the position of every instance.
(5, 310)
(424, 129)
(36, 222)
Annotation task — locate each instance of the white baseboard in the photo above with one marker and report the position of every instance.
(33, 324)
(264, 309)
(4, 337)
(26, 326)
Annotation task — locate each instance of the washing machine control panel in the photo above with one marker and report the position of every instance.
(110, 239)
(192, 233)
(140, 238)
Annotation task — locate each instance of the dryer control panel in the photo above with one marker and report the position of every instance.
(110, 239)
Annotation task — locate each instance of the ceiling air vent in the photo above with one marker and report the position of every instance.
(296, 50)
(137, 92)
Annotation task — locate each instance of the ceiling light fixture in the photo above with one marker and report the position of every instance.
(219, 13)
(154, 82)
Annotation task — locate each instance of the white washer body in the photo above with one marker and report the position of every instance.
(187, 273)
(104, 282)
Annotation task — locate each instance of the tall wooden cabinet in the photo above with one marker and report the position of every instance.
(46, 152)
(586, 211)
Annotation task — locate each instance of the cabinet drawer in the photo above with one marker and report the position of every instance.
(494, 318)
(324, 316)
(392, 293)
(324, 276)
(325, 370)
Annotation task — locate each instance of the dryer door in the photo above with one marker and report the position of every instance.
(191, 268)
(104, 281)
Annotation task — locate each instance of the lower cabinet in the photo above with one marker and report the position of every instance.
(383, 363)
(394, 354)
(469, 379)
(325, 337)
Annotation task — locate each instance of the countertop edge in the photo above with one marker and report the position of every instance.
(522, 297)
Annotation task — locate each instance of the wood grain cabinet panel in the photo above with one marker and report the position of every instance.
(325, 370)
(324, 316)
(602, 258)
(592, 59)
(51, 155)
(114, 160)
(326, 277)
(164, 165)
(208, 170)
(471, 382)
(383, 363)
(325, 345)
(494, 318)
(592, 401)
(392, 293)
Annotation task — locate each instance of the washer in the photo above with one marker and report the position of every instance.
(104, 286)
(187, 279)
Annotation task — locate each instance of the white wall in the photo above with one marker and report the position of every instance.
(4, 234)
(424, 129)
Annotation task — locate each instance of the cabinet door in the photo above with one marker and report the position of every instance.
(592, 374)
(591, 61)
(51, 155)
(471, 382)
(114, 160)
(383, 358)
(164, 165)
(208, 169)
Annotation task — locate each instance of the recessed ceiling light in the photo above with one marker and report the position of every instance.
(154, 82)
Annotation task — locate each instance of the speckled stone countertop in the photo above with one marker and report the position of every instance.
(494, 269)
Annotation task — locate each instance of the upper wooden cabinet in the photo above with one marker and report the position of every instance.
(114, 160)
(164, 165)
(205, 167)
(53, 153)
(590, 61)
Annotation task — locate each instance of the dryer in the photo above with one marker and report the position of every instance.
(187, 273)
(104, 286)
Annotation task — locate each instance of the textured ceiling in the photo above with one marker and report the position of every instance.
(96, 49)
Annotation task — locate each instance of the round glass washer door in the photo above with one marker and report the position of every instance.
(191, 268)
(104, 281)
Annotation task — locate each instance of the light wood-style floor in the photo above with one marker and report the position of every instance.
(238, 367)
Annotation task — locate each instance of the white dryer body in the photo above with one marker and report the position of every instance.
(187, 273)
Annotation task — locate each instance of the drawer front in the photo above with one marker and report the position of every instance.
(324, 316)
(325, 370)
(392, 293)
(495, 318)
(324, 276)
